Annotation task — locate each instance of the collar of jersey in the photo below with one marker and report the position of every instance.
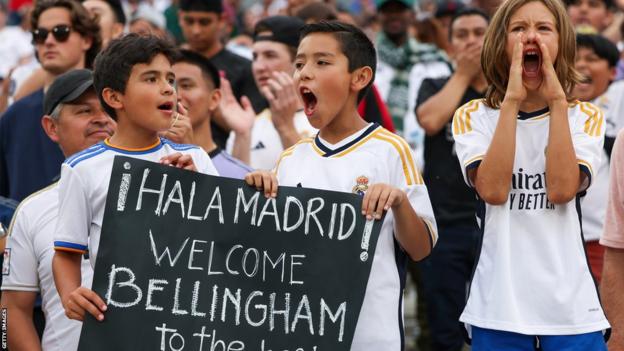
(125, 150)
(327, 152)
(530, 115)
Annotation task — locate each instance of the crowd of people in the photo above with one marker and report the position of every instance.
(488, 131)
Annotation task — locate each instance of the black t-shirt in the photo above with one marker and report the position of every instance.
(238, 72)
(454, 203)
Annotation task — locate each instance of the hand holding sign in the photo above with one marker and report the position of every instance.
(194, 262)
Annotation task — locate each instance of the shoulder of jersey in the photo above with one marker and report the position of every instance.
(35, 202)
(464, 116)
(179, 147)
(590, 115)
(397, 147)
(85, 154)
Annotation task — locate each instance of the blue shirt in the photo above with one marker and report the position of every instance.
(228, 166)
(29, 160)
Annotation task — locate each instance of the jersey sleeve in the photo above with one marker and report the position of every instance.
(203, 163)
(588, 138)
(74, 218)
(405, 176)
(613, 235)
(472, 137)
(19, 271)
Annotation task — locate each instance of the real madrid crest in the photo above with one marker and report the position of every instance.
(361, 186)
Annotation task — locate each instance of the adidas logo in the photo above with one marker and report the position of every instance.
(259, 146)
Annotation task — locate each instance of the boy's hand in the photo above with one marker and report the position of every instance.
(379, 198)
(181, 130)
(263, 181)
(550, 88)
(179, 160)
(516, 92)
(84, 300)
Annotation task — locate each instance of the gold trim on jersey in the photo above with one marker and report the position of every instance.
(358, 144)
(407, 161)
(462, 122)
(434, 235)
(586, 164)
(473, 160)
(23, 203)
(593, 124)
(291, 149)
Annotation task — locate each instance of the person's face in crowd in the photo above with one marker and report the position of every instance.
(201, 29)
(530, 21)
(150, 99)
(79, 124)
(109, 27)
(597, 72)
(395, 19)
(58, 56)
(592, 13)
(468, 31)
(143, 27)
(3, 18)
(196, 92)
(322, 78)
(269, 57)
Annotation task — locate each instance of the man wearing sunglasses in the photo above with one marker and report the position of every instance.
(66, 37)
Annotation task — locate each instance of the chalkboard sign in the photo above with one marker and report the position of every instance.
(194, 262)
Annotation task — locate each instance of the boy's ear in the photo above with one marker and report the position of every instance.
(112, 98)
(361, 77)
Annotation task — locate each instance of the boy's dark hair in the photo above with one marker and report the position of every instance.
(209, 71)
(215, 6)
(467, 11)
(355, 45)
(114, 64)
(608, 3)
(81, 21)
(600, 45)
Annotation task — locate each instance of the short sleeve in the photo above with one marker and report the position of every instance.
(472, 137)
(428, 88)
(19, 271)
(405, 176)
(74, 218)
(203, 163)
(588, 139)
(613, 235)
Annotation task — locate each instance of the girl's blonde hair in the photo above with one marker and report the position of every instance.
(495, 63)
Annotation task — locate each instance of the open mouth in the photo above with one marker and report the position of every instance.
(167, 107)
(531, 62)
(309, 101)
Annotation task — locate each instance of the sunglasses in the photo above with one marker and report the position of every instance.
(60, 34)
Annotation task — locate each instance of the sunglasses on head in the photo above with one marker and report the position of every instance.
(60, 34)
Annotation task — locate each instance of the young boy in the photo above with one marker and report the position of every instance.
(199, 90)
(335, 65)
(134, 82)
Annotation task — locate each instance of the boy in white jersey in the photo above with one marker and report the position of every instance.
(135, 84)
(334, 68)
(530, 151)
(75, 120)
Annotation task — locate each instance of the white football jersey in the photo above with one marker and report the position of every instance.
(266, 145)
(28, 266)
(84, 185)
(532, 276)
(594, 204)
(373, 155)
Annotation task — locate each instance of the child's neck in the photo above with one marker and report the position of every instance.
(130, 136)
(533, 102)
(343, 125)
